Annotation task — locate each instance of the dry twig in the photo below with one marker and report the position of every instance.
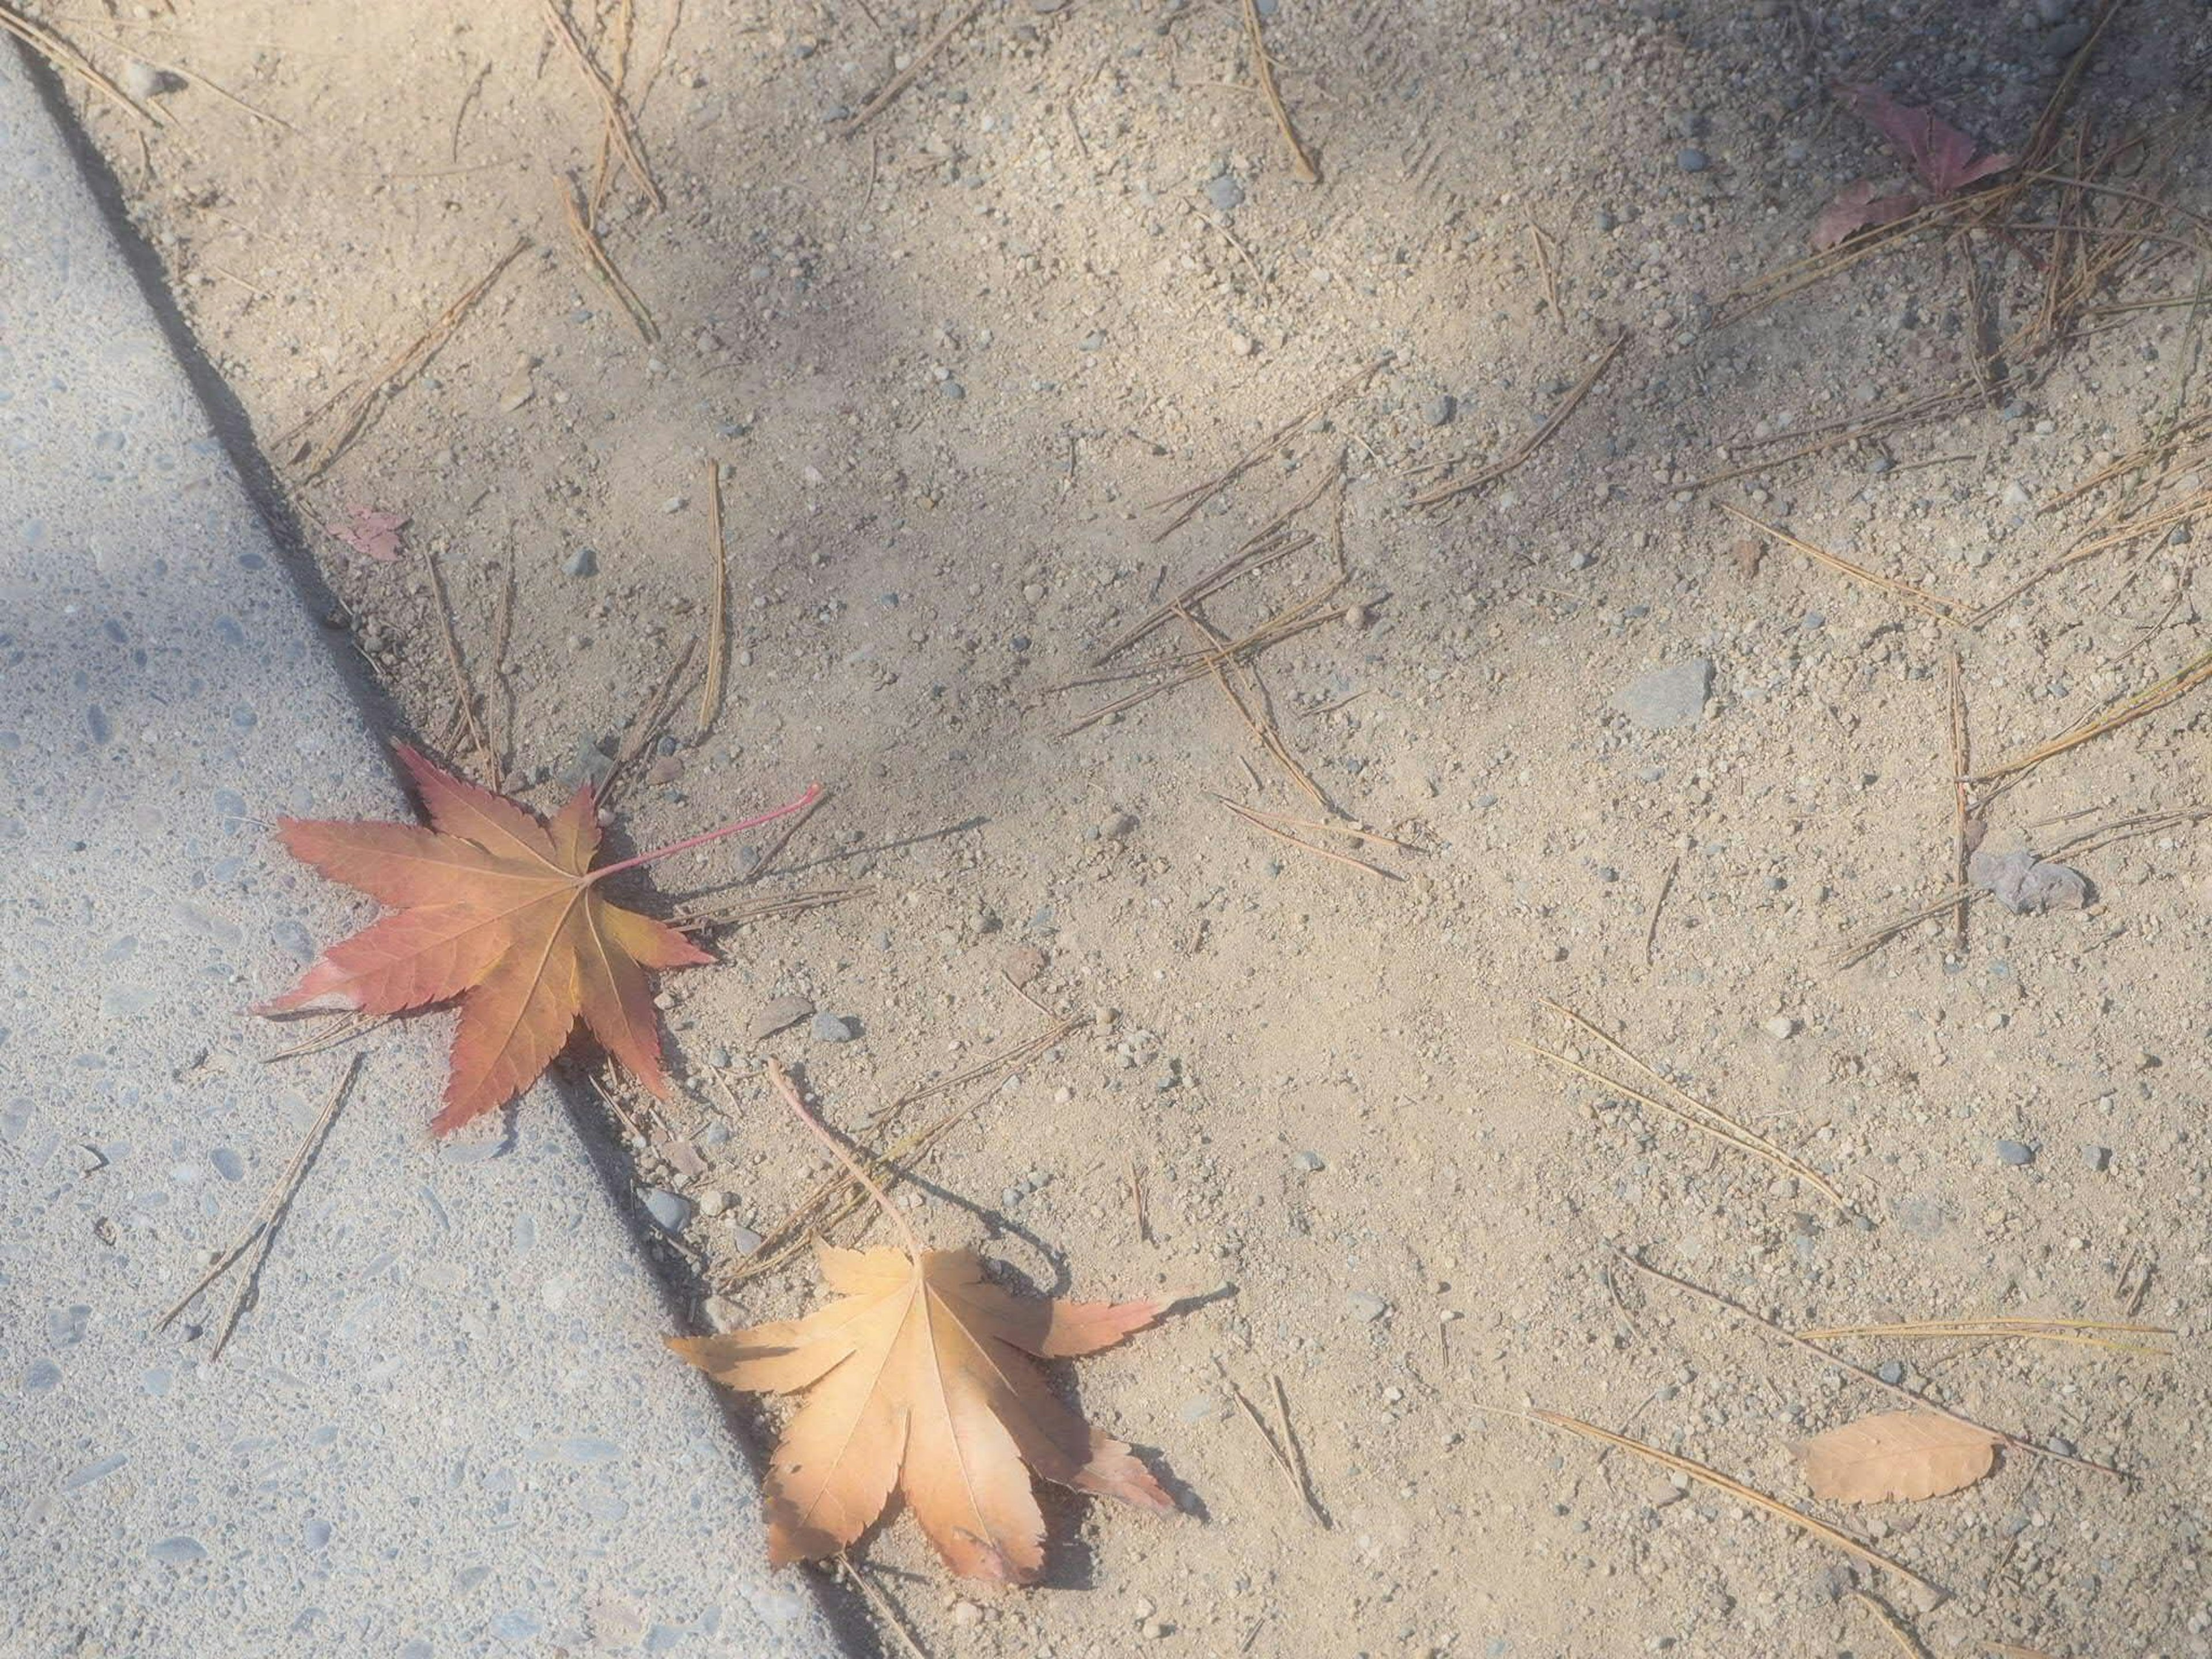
(67, 58)
(1301, 163)
(610, 103)
(261, 1235)
(602, 264)
(906, 77)
(718, 603)
(1518, 455)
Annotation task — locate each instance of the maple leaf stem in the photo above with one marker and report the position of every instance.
(789, 1091)
(813, 794)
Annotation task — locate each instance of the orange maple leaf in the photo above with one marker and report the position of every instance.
(505, 912)
(918, 1377)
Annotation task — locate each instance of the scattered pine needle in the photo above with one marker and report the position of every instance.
(1301, 162)
(1685, 1109)
(610, 104)
(1907, 1642)
(1330, 852)
(1711, 1477)
(1943, 610)
(403, 368)
(1352, 830)
(1962, 752)
(718, 603)
(906, 77)
(1191, 500)
(67, 58)
(261, 1236)
(464, 692)
(2123, 712)
(1916, 1401)
(2087, 1333)
(881, 1603)
(602, 264)
(1518, 455)
(344, 1028)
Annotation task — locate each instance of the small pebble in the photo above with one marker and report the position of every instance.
(828, 1028)
(744, 1240)
(712, 1202)
(953, 389)
(1307, 1162)
(1226, 193)
(2015, 1153)
(1891, 1371)
(2099, 1159)
(1365, 1307)
(141, 80)
(776, 1014)
(668, 1210)
(1691, 159)
(1782, 1028)
(582, 562)
(1439, 411)
(1117, 826)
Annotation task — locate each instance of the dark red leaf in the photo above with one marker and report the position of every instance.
(1942, 155)
(1858, 208)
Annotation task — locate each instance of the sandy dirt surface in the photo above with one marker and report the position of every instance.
(948, 361)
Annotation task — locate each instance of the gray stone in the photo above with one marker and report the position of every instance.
(1690, 159)
(1891, 1371)
(828, 1028)
(1365, 1306)
(777, 1014)
(2015, 1153)
(397, 1411)
(1226, 194)
(1439, 410)
(1306, 1162)
(584, 561)
(1117, 826)
(951, 390)
(668, 1210)
(1661, 699)
(2026, 884)
(2099, 1159)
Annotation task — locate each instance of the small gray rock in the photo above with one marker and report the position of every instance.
(179, 1552)
(1439, 410)
(952, 389)
(1307, 1163)
(1224, 192)
(828, 1028)
(776, 1014)
(584, 561)
(1891, 1371)
(1664, 698)
(2026, 884)
(2068, 38)
(2015, 1153)
(668, 1210)
(744, 1240)
(2099, 1159)
(1365, 1306)
(1117, 826)
(1690, 159)
(144, 80)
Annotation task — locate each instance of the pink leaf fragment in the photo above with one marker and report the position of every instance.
(1942, 155)
(371, 532)
(1855, 209)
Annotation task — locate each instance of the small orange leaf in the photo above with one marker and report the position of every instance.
(917, 1378)
(1910, 1454)
(493, 907)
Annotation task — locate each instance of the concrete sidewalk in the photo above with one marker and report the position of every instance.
(448, 1426)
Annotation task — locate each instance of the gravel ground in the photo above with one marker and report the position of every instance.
(947, 363)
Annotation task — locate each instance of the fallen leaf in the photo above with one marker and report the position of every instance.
(371, 533)
(1855, 209)
(918, 1378)
(1942, 155)
(505, 912)
(1895, 1454)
